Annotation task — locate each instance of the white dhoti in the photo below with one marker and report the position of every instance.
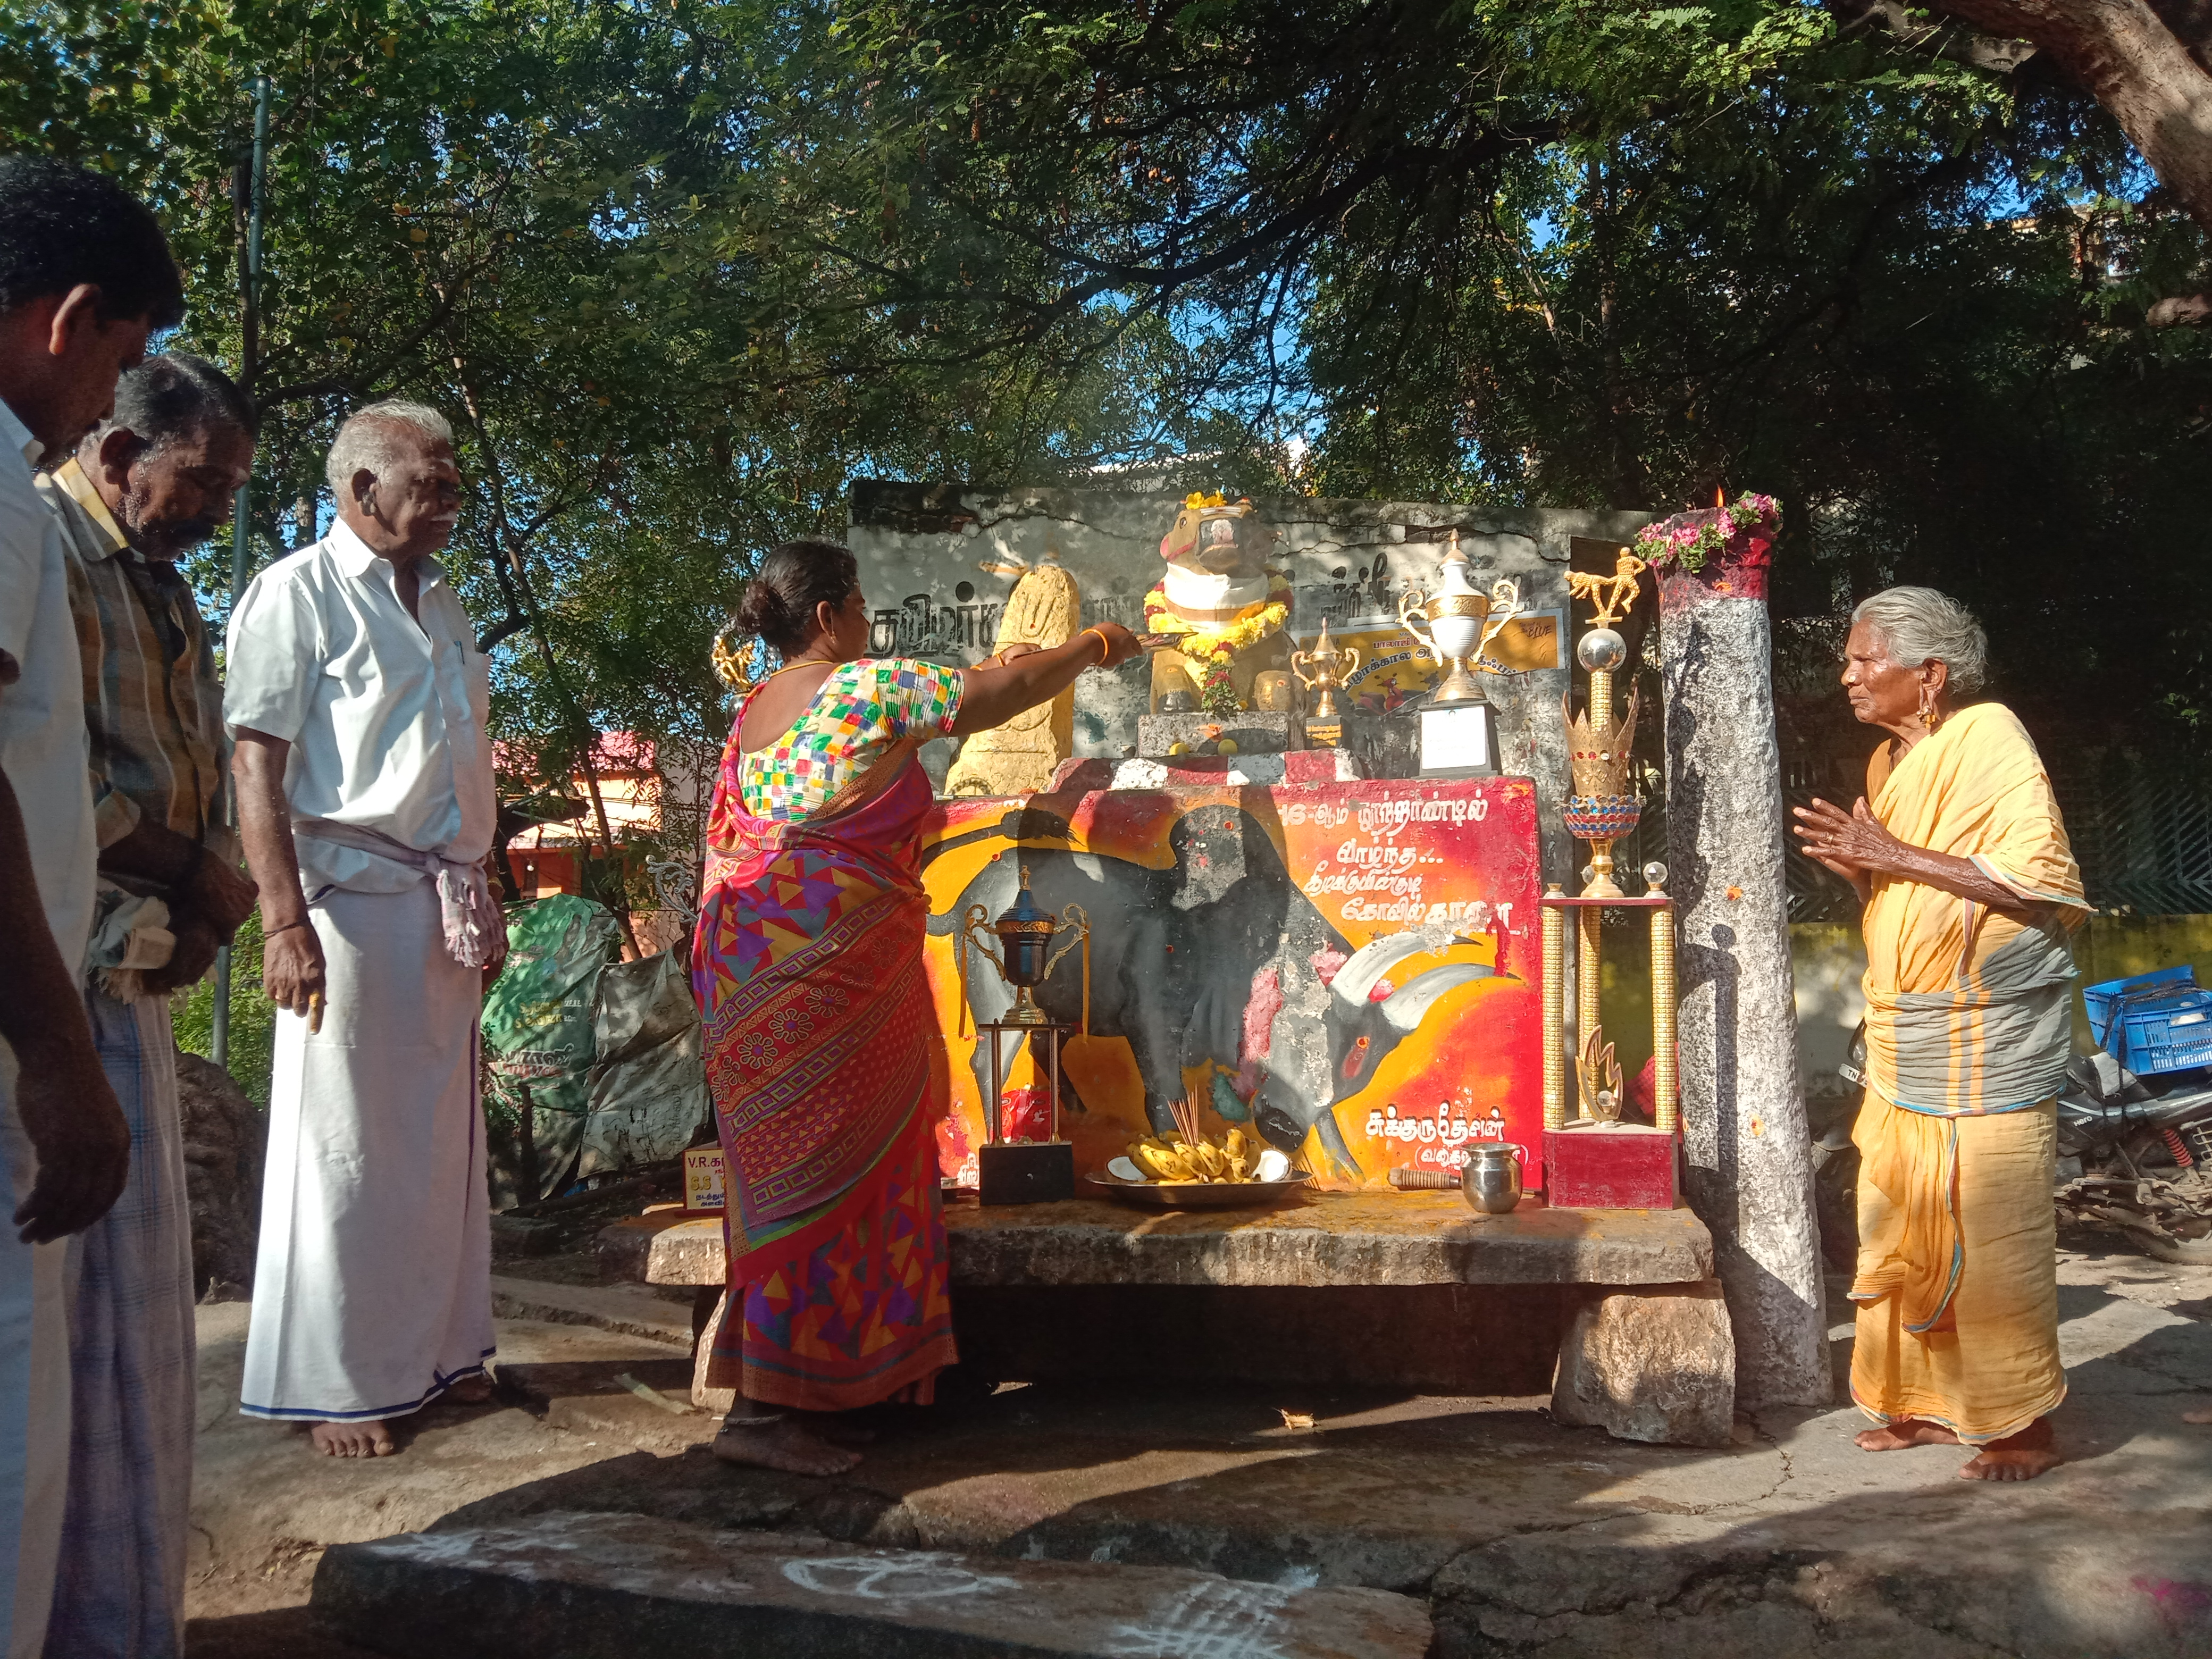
(34, 1397)
(372, 1290)
(120, 1591)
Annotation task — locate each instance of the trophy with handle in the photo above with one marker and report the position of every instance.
(1333, 664)
(1459, 737)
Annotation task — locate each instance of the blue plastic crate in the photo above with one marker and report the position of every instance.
(2153, 1022)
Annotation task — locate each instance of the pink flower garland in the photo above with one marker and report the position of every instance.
(1741, 533)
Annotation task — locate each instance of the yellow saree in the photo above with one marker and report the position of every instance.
(1968, 1032)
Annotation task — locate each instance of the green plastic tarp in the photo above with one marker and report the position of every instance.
(593, 1065)
(539, 1043)
(648, 1073)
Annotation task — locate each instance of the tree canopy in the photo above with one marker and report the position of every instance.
(680, 271)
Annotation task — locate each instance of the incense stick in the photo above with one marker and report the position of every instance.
(1186, 1115)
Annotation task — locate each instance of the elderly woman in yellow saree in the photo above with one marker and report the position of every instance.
(807, 966)
(1971, 891)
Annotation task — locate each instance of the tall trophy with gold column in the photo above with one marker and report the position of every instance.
(1596, 1161)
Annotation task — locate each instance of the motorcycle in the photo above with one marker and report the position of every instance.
(2135, 1160)
(2135, 1156)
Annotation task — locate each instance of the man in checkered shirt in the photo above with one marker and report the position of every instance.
(144, 487)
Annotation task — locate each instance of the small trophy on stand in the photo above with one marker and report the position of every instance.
(1332, 665)
(1459, 738)
(1597, 1162)
(1024, 1171)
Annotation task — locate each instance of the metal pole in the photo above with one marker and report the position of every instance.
(249, 285)
(1555, 1025)
(1666, 1087)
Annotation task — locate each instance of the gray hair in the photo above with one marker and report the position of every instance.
(366, 442)
(1919, 625)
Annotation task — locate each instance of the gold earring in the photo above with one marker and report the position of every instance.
(1928, 707)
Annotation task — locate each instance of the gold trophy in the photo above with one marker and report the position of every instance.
(1462, 620)
(1332, 663)
(1024, 957)
(1603, 808)
(1024, 1171)
(1459, 738)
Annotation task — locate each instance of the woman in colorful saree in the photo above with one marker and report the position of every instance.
(1971, 891)
(807, 968)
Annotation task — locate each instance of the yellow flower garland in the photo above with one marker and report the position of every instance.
(1215, 648)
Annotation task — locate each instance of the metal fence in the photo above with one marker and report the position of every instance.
(2141, 830)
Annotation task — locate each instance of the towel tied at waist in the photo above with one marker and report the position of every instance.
(473, 926)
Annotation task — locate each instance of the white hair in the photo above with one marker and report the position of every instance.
(368, 442)
(1919, 625)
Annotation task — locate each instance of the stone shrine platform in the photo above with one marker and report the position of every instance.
(1616, 1312)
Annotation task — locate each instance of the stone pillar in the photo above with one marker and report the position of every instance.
(1749, 1175)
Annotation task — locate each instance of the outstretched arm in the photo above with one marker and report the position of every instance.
(1855, 846)
(992, 696)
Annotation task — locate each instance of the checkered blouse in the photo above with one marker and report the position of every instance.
(862, 709)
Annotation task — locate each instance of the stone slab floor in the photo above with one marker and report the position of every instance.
(1522, 1537)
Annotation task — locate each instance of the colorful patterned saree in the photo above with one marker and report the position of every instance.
(807, 968)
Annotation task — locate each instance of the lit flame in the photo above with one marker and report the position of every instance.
(1720, 498)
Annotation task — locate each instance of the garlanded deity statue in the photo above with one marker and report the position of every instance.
(1219, 610)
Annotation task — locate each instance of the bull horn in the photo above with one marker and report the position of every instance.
(1405, 1007)
(1370, 962)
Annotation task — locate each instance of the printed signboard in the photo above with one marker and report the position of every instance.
(1347, 970)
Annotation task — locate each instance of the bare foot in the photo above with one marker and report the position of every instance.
(352, 1439)
(1911, 1431)
(837, 1429)
(786, 1444)
(2020, 1456)
(2196, 1417)
(470, 1391)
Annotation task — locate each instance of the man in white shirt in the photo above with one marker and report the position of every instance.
(357, 699)
(85, 276)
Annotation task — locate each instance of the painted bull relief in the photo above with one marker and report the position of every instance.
(1346, 968)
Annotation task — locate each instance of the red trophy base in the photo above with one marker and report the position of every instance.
(1609, 1166)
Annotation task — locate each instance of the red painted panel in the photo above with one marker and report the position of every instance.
(1229, 928)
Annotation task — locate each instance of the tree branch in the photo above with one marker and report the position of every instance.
(1908, 26)
(2124, 54)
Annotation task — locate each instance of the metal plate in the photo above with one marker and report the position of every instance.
(1197, 1195)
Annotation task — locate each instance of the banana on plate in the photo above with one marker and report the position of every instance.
(1200, 1160)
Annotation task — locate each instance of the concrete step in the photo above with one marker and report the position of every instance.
(570, 1585)
(626, 1309)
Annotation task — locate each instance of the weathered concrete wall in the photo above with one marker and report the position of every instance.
(1828, 963)
(919, 545)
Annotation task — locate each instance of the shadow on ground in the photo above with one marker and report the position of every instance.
(1526, 1538)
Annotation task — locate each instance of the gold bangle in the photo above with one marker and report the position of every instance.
(1105, 646)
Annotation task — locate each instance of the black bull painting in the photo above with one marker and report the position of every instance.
(1208, 953)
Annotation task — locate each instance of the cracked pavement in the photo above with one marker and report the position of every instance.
(1524, 1537)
